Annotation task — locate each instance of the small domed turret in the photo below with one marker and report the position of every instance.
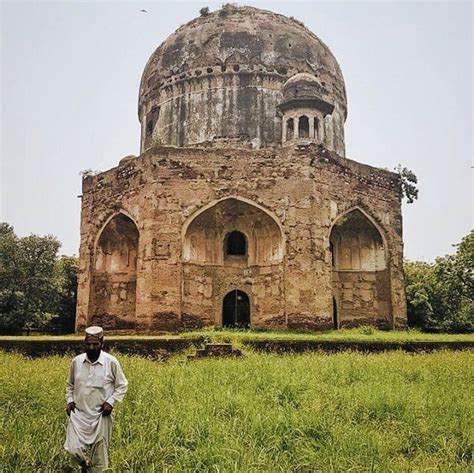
(304, 109)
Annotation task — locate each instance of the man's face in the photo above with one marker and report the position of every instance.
(93, 347)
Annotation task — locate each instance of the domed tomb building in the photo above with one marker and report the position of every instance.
(242, 209)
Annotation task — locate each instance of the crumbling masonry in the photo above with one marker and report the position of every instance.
(241, 209)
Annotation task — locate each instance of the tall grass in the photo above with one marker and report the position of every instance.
(364, 333)
(332, 413)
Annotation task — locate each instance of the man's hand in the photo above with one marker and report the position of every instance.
(70, 408)
(106, 409)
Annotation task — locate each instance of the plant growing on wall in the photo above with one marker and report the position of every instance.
(408, 181)
(88, 172)
(228, 9)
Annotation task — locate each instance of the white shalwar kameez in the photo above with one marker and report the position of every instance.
(89, 385)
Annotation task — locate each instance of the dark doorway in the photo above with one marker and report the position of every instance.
(334, 313)
(235, 244)
(236, 310)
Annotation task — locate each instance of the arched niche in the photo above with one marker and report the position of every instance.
(113, 288)
(205, 234)
(235, 244)
(117, 246)
(303, 127)
(356, 244)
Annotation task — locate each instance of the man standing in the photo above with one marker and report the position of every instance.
(95, 384)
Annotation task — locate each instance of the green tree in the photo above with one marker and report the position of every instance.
(11, 295)
(66, 272)
(440, 295)
(420, 282)
(36, 288)
(455, 275)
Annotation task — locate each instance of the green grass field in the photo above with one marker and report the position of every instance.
(311, 412)
(364, 333)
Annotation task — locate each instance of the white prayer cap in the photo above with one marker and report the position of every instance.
(94, 331)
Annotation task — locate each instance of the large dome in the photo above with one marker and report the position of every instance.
(220, 78)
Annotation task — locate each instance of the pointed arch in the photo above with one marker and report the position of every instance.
(366, 214)
(303, 127)
(357, 242)
(231, 197)
(116, 247)
(114, 273)
(109, 218)
(204, 232)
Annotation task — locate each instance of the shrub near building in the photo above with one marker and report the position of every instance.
(440, 295)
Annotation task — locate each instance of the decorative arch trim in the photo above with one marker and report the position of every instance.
(369, 218)
(208, 206)
(109, 219)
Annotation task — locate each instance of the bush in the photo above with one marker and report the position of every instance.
(228, 9)
(440, 295)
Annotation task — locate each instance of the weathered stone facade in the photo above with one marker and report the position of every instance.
(248, 216)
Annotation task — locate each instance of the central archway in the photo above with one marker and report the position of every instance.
(233, 227)
(236, 309)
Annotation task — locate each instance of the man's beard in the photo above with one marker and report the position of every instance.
(93, 354)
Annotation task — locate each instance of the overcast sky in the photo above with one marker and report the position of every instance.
(70, 73)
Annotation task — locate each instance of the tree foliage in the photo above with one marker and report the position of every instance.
(37, 289)
(408, 181)
(440, 295)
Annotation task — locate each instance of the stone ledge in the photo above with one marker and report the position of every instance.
(160, 349)
(163, 348)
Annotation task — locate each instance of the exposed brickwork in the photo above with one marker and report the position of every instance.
(242, 115)
(304, 191)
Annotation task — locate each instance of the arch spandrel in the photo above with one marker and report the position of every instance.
(204, 232)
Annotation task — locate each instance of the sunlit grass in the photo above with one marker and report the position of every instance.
(364, 333)
(349, 411)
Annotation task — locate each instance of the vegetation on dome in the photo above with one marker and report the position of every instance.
(299, 22)
(204, 11)
(228, 9)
